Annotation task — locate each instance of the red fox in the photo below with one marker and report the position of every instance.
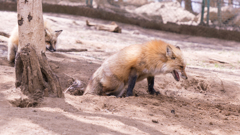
(135, 63)
(50, 39)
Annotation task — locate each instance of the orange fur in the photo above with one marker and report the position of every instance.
(50, 40)
(146, 60)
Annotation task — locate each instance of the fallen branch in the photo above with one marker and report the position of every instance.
(113, 27)
(52, 20)
(4, 34)
(71, 50)
(214, 60)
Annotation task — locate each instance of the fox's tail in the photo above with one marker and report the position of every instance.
(12, 50)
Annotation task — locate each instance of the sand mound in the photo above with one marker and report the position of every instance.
(169, 11)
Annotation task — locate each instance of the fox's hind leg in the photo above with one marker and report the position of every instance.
(131, 82)
(117, 91)
(151, 90)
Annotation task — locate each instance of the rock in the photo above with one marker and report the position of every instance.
(155, 121)
(235, 21)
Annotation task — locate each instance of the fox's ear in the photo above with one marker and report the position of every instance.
(169, 52)
(46, 32)
(58, 32)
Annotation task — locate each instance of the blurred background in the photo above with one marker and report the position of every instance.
(217, 14)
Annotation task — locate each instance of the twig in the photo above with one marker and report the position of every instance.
(221, 83)
(4, 34)
(219, 61)
(71, 50)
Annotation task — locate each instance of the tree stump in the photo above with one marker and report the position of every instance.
(34, 75)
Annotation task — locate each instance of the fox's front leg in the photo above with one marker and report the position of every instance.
(131, 82)
(151, 90)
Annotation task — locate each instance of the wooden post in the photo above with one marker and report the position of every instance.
(202, 13)
(219, 13)
(208, 8)
(89, 3)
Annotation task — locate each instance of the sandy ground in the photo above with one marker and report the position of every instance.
(208, 103)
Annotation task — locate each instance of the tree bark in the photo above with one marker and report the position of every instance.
(188, 5)
(180, 1)
(213, 3)
(33, 74)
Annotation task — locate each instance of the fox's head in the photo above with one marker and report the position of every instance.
(51, 39)
(175, 62)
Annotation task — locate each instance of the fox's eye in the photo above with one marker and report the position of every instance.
(181, 67)
(173, 58)
(48, 42)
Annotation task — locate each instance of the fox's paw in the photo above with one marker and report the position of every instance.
(129, 94)
(153, 91)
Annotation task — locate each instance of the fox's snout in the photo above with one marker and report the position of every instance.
(51, 49)
(184, 75)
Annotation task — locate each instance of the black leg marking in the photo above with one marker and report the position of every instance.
(151, 90)
(131, 82)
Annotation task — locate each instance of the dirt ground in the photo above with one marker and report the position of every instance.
(208, 103)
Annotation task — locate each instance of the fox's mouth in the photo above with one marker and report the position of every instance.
(175, 75)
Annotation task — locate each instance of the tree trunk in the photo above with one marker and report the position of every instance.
(213, 3)
(33, 74)
(180, 1)
(188, 5)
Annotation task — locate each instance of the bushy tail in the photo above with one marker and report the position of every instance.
(11, 52)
